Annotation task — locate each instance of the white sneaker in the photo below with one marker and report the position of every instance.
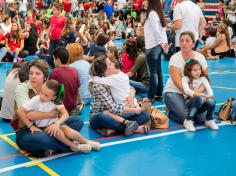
(95, 145)
(211, 124)
(82, 148)
(188, 124)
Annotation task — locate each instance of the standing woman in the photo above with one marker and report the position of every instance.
(155, 43)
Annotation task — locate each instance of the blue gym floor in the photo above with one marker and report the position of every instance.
(171, 152)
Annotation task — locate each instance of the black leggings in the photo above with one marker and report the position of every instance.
(221, 54)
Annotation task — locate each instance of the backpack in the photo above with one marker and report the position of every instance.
(224, 112)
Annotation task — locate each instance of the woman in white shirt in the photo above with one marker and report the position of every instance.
(174, 92)
(155, 43)
(6, 25)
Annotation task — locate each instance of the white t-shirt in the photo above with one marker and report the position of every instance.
(190, 15)
(178, 61)
(154, 33)
(210, 40)
(35, 104)
(74, 5)
(5, 29)
(121, 4)
(118, 83)
(196, 84)
(23, 6)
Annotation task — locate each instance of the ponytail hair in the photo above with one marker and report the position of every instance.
(57, 88)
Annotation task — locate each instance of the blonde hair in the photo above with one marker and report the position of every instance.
(76, 52)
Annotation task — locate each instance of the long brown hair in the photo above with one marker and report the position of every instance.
(157, 7)
(188, 69)
(224, 30)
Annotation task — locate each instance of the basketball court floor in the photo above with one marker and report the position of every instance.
(170, 152)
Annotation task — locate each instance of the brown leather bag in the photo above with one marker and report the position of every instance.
(225, 110)
(158, 119)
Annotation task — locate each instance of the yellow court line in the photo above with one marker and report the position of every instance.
(39, 164)
(226, 88)
(8, 134)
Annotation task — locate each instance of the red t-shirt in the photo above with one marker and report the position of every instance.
(12, 43)
(39, 4)
(2, 37)
(127, 63)
(87, 6)
(69, 77)
(67, 6)
(57, 24)
(139, 7)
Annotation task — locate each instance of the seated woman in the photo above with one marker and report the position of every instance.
(139, 72)
(31, 38)
(38, 143)
(221, 46)
(11, 82)
(14, 44)
(174, 92)
(105, 113)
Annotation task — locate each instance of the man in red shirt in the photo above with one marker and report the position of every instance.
(57, 25)
(68, 76)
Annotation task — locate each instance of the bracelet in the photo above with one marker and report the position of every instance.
(31, 125)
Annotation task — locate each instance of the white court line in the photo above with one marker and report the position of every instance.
(5, 169)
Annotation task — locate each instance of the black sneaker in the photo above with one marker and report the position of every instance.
(130, 127)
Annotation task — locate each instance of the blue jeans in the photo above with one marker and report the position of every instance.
(177, 109)
(138, 86)
(153, 60)
(37, 143)
(3, 52)
(102, 120)
(198, 105)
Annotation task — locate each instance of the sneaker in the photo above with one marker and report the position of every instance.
(211, 124)
(130, 127)
(94, 145)
(188, 124)
(82, 148)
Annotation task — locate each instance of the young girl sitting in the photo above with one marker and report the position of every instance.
(50, 98)
(196, 101)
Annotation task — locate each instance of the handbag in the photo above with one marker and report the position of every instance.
(158, 119)
(225, 110)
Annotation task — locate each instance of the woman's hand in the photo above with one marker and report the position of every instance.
(138, 110)
(34, 129)
(165, 47)
(53, 129)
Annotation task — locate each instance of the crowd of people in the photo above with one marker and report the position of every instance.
(78, 64)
